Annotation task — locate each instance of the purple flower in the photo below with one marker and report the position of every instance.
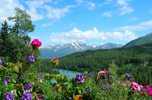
(26, 96)
(100, 83)
(8, 79)
(0, 61)
(5, 82)
(19, 77)
(8, 96)
(31, 58)
(43, 97)
(28, 87)
(108, 85)
(88, 74)
(129, 76)
(40, 75)
(79, 78)
(86, 91)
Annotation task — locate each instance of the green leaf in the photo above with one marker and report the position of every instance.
(76, 73)
(70, 85)
(10, 64)
(15, 68)
(60, 78)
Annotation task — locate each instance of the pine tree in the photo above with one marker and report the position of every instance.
(4, 32)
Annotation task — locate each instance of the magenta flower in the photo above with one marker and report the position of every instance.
(36, 43)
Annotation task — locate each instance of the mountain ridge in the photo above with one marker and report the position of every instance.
(51, 51)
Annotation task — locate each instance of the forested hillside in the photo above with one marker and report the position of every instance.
(140, 41)
(135, 60)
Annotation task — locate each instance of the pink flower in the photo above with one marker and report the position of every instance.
(56, 58)
(149, 89)
(135, 86)
(36, 42)
(102, 72)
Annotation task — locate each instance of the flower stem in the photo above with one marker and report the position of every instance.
(50, 72)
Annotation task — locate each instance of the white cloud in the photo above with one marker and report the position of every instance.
(57, 1)
(48, 24)
(75, 35)
(107, 2)
(141, 26)
(33, 7)
(149, 23)
(125, 8)
(79, 1)
(126, 36)
(7, 9)
(56, 13)
(108, 14)
(133, 19)
(71, 24)
(90, 5)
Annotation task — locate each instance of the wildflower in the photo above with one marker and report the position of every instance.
(8, 79)
(19, 77)
(149, 89)
(86, 91)
(88, 74)
(26, 96)
(40, 96)
(79, 78)
(8, 96)
(55, 61)
(103, 72)
(78, 97)
(100, 83)
(56, 58)
(135, 86)
(31, 58)
(36, 43)
(0, 61)
(5, 82)
(108, 85)
(129, 76)
(28, 87)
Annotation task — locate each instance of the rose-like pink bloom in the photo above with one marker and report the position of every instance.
(107, 72)
(149, 89)
(135, 86)
(36, 42)
(56, 58)
(102, 72)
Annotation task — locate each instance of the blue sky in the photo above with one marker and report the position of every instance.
(91, 21)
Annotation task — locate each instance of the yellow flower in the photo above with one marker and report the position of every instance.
(78, 97)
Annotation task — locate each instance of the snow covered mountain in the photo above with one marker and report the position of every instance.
(52, 51)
